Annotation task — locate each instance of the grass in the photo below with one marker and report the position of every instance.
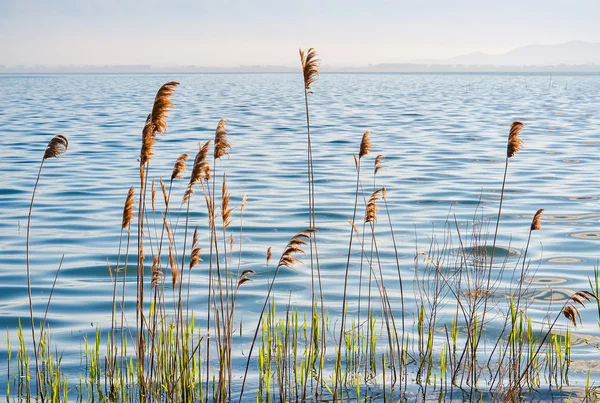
(373, 353)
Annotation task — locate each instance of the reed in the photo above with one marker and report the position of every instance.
(310, 71)
(57, 146)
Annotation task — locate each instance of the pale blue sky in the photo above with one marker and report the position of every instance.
(233, 32)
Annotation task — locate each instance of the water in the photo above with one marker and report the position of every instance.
(443, 137)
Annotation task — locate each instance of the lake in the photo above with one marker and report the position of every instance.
(444, 141)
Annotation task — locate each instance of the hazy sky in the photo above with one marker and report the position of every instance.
(234, 32)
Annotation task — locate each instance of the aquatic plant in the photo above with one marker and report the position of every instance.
(57, 146)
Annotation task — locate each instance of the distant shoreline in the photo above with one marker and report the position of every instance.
(408, 68)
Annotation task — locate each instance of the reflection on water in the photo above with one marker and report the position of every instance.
(545, 280)
(565, 259)
(585, 235)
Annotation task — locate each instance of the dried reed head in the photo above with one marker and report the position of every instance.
(200, 171)
(514, 142)
(57, 146)
(221, 142)
(244, 200)
(156, 122)
(310, 66)
(372, 207)
(294, 246)
(128, 209)
(141, 255)
(195, 257)
(164, 192)
(167, 228)
(379, 163)
(210, 207)
(156, 273)
(162, 104)
(174, 270)
(536, 223)
(244, 277)
(148, 140)
(355, 161)
(365, 144)
(383, 194)
(269, 254)
(225, 210)
(179, 168)
(571, 312)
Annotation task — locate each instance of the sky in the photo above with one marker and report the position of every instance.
(269, 32)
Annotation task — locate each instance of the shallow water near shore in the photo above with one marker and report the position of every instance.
(444, 141)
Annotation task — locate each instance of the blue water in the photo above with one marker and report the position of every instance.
(443, 138)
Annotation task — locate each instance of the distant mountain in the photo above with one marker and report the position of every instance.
(570, 53)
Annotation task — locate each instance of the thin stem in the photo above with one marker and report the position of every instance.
(37, 370)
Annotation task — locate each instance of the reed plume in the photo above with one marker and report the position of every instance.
(179, 168)
(244, 200)
(165, 195)
(174, 270)
(536, 224)
(196, 250)
(294, 246)
(365, 144)
(379, 163)
(200, 171)
(310, 66)
(156, 273)
(128, 209)
(148, 140)
(222, 145)
(269, 254)
(244, 277)
(225, 210)
(57, 146)
(162, 104)
(372, 207)
(156, 122)
(571, 312)
(514, 142)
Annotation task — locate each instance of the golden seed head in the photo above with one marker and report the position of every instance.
(514, 142)
(57, 146)
(310, 66)
(365, 144)
(244, 201)
(128, 209)
(179, 168)
(222, 145)
(379, 163)
(269, 254)
(372, 207)
(536, 224)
